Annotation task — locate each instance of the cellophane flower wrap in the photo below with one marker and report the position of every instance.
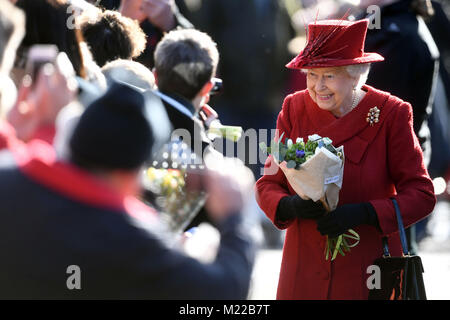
(165, 182)
(315, 170)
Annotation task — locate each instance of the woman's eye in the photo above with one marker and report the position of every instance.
(329, 76)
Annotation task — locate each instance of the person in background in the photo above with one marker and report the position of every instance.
(12, 30)
(100, 242)
(185, 63)
(47, 23)
(383, 159)
(156, 17)
(31, 115)
(410, 70)
(439, 121)
(130, 72)
(111, 36)
(252, 38)
(41, 99)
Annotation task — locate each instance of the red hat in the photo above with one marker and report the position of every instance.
(333, 43)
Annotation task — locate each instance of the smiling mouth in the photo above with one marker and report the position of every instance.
(324, 97)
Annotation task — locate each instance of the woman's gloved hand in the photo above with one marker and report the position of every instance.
(291, 207)
(346, 217)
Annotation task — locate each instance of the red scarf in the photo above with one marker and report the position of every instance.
(37, 160)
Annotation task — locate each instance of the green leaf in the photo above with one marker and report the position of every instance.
(354, 233)
(281, 137)
(328, 251)
(345, 244)
(274, 145)
(263, 147)
(291, 164)
(350, 237)
(356, 237)
(283, 151)
(336, 248)
(276, 155)
(328, 248)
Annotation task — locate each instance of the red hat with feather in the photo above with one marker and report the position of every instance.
(333, 43)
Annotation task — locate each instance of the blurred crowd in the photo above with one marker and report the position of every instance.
(91, 94)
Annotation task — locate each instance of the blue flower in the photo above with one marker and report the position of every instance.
(300, 153)
(321, 144)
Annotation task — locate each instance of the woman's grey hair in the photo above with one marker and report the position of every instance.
(359, 71)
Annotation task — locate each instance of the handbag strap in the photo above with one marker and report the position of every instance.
(401, 231)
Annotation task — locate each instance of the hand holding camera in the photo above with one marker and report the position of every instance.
(48, 86)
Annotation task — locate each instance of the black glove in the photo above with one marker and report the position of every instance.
(291, 207)
(346, 217)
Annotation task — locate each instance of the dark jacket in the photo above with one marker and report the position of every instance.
(55, 216)
(181, 115)
(411, 60)
(439, 121)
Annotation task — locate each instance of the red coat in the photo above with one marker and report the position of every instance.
(9, 140)
(6, 134)
(381, 161)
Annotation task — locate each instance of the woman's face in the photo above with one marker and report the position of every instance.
(331, 89)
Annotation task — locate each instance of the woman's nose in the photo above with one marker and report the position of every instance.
(320, 84)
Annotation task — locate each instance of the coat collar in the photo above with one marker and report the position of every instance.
(341, 129)
(178, 102)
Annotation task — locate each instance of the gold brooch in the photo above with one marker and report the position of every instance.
(373, 115)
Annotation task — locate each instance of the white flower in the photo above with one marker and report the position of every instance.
(327, 141)
(299, 140)
(289, 143)
(314, 137)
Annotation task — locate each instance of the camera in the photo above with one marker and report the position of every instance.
(38, 56)
(217, 87)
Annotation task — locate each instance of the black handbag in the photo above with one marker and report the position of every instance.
(401, 277)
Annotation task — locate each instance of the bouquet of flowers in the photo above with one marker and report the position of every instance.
(165, 182)
(177, 204)
(315, 171)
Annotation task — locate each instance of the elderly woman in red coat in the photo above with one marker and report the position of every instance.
(383, 159)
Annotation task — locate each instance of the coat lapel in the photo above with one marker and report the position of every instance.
(342, 129)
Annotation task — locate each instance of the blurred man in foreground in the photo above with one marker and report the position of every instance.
(75, 229)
